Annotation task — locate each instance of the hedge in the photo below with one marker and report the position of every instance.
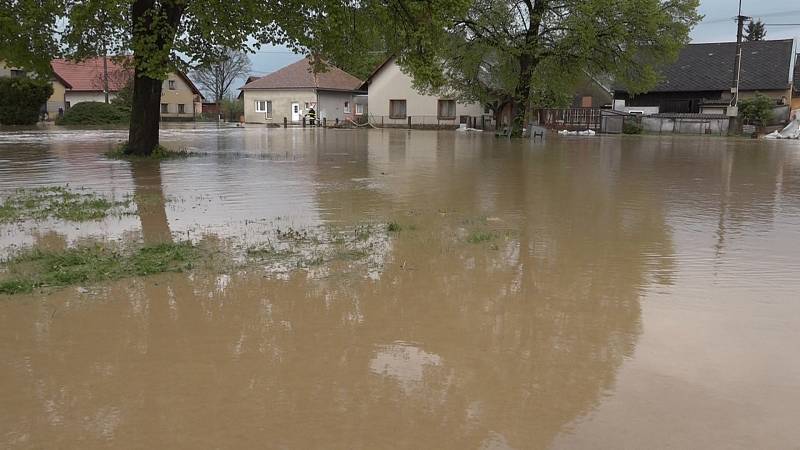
(94, 113)
(22, 99)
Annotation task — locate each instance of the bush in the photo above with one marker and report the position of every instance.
(631, 127)
(22, 100)
(757, 110)
(94, 113)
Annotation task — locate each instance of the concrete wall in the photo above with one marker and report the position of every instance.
(281, 103)
(684, 126)
(390, 83)
(331, 105)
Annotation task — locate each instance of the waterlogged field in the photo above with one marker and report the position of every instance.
(394, 289)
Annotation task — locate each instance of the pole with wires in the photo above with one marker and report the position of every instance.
(733, 108)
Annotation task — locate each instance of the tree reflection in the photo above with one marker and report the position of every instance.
(150, 201)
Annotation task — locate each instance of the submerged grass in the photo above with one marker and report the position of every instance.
(478, 236)
(57, 202)
(160, 153)
(38, 268)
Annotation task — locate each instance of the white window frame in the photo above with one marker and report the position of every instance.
(264, 106)
(172, 85)
(347, 107)
(359, 109)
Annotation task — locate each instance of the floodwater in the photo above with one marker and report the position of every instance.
(634, 292)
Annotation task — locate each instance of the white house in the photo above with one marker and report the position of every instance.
(294, 90)
(393, 101)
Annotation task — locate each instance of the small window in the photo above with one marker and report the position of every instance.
(306, 105)
(181, 108)
(397, 109)
(172, 85)
(264, 106)
(347, 107)
(359, 109)
(586, 101)
(295, 108)
(66, 105)
(15, 73)
(487, 110)
(447, 109)
(164, 108)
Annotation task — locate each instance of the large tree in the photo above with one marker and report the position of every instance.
(532, 52)
(165, 35)
(217, 77)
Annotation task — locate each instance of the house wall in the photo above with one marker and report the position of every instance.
(182, 94)
(655, 102)
(390, 83)
(282, 100)
(685, 125)
(331, 105)
(56, 100)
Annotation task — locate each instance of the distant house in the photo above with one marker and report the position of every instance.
(700, 80)
(294, 90)
(6, 71)
(75, 82)
(796, 86)
(392, 99)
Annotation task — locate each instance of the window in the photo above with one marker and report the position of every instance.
(66, 105)
(487, 110)
(359, 109)
(164, 108)
(347, 107)
(181, 108)
(306, 105)
(397, 109)
(15, 73)
(264, 106)
(447, 109)
(586, 101)
(172, 85)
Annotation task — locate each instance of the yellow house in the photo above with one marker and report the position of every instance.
(83, 81)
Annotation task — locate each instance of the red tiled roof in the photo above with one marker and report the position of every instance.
(87, 75)
(299, 76)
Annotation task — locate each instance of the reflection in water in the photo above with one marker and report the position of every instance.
(501, 344)
(150, 201)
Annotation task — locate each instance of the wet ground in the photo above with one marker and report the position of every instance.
(606, 292)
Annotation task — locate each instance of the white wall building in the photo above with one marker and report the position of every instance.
(293, 91)
(393, 100)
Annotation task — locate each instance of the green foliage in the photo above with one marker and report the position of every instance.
(478, 236)
(631, 127)
(755, 31)
(757, 110)
(37, 268)
(22, 99)
(159, 153)
(394, 227)
(534, 53)
(124, 98)
(232, 109)
(95, 113)
(58, 203)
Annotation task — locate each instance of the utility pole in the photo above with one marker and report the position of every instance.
(733, 108)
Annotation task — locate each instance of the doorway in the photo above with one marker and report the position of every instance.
(295, 112)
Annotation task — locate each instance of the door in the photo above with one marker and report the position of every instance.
(295, 112)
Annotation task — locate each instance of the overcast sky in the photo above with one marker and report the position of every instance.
(718, 25)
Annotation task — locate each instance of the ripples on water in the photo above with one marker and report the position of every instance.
(631, 284)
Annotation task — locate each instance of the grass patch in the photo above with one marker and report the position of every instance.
(37, 268)
(59, 203)
(394, 227)
(160, 153)
(478, 236)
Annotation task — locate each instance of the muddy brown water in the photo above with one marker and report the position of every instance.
(637, 292)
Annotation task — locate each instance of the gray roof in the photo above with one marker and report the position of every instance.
(766, 65)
